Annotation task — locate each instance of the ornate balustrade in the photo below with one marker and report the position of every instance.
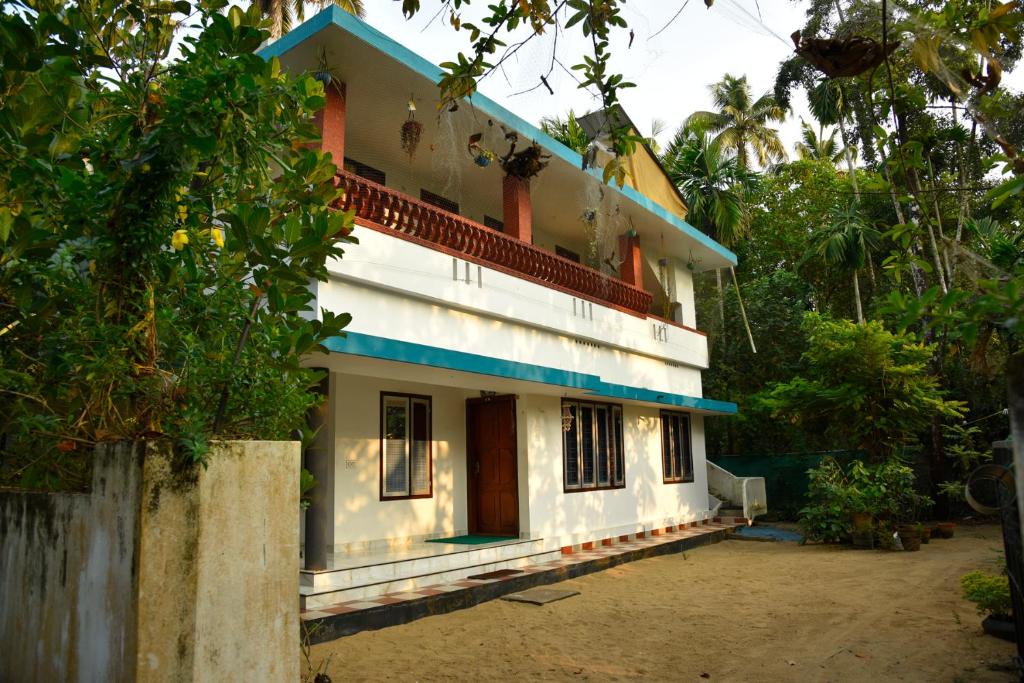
(410, 218)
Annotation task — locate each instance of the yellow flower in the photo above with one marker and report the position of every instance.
(182, 212)
(218, 236)
(179, 240)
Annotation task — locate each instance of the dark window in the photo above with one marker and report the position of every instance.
(567, 253)
(364, 171)
(405, 450)
(439, 201)
(676, 455)
(592, 446)
(494, 223)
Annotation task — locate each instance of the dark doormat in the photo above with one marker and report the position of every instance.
(498, 574)
(540, 596)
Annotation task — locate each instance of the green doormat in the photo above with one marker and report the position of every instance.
(472, 539)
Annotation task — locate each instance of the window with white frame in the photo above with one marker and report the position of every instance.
(405, 467)
(592, 446)
(676, 454)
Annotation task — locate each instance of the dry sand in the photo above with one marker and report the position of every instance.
(735, 611)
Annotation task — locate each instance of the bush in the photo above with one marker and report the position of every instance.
(885, 491)
(990, 592)
(161, 217)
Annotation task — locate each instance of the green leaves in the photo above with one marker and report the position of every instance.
(147, 206)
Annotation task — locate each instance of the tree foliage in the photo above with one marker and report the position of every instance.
(162, 219)
(862, 386)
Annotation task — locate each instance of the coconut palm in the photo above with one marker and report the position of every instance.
(714, 187)
(814, 146)
(845, 243)
(283, 13)
(742, 123)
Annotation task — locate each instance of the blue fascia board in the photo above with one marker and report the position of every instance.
(371, 346)
(363, 31)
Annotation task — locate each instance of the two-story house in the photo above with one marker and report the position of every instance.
(524, 360)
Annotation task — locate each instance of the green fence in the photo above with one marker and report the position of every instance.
(785, 475)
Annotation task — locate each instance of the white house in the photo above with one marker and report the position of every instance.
(524, 359)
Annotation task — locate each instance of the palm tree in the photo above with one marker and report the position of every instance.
(283, 13)
(814, 146)
(845, 243)
(714, 187)
(741, 123)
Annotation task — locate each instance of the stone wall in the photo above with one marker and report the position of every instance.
(154, 575)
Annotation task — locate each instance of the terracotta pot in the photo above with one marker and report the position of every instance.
(945, 529)
(910, 536)
(926, 534)
(861, 521)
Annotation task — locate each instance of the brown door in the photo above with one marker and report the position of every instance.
(491, 454)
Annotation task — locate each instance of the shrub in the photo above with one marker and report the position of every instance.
(161, 217)
(990, 592)
(885, 491)
(862, 386)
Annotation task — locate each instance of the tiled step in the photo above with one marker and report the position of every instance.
(318, 589)
(327, 622)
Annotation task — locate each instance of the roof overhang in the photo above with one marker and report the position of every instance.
(576, 384)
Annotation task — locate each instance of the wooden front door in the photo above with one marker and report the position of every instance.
(491, 458)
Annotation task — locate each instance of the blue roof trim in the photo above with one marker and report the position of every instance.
(360, 29)
(359, 344)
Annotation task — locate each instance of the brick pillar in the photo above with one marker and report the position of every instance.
(518, 216)
(331, 122)
(631, 267)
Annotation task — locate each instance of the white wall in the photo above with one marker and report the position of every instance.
(644, 504)
(360, 516)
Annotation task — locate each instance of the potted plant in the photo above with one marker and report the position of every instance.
(945, 529)
(991, 594)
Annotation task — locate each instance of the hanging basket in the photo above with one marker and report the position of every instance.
(526, 163)
(839, 57)
(412, 131)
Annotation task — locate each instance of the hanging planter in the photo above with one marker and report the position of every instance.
(482, 156)
(412, 131)
(323, 71)
(838, 57)
(526, 163)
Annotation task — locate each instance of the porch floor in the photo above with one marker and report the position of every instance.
(345, 618)
(354, 559)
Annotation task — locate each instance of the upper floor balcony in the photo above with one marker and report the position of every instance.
(414, 220)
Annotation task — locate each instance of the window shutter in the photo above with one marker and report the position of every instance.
(685, 447)
(396, 429)
(571, 450)
(603, 465)
(620, 460)
(587, 442)
(419, 458)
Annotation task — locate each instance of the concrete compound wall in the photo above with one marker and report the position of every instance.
(154, 575)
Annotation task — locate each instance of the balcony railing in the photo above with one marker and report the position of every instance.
(417, 221)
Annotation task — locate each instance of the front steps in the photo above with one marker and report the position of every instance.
(345, 618)
(374, 575)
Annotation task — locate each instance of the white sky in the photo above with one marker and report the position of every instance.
(672, 70)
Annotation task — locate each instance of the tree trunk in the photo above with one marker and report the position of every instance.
(743, 311)
(856, 297)
(1015, 403)
(721, 304)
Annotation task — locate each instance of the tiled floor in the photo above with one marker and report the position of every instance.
(597, 552)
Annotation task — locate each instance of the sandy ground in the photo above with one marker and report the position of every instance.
(735, 611)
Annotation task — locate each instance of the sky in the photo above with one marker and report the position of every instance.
(672, 68)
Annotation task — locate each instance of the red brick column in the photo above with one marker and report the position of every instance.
(631, 267)
(331, 122)
(518, 214)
